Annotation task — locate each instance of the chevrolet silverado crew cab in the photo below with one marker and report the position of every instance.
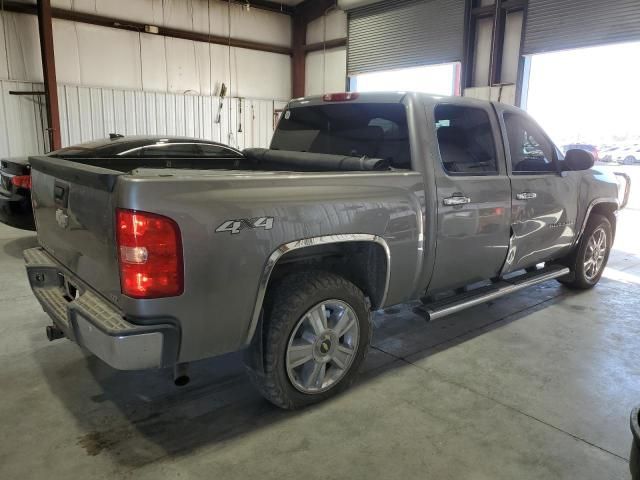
(362, 201)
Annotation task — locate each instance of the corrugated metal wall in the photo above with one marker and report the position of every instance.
(22, 118)
(89, 113)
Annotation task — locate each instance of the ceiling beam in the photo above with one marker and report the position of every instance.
(303, 13)
(298, 56)
(335, 43)
(270, 6)
(309, 10)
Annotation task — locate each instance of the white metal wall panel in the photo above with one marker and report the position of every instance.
(90, 55)
(482, 56)
(197, 15)
(565, 24)
(90, 113)
(97, 117)
(22, 54)
(328, 27)
(326, 71)
(405, 33)
(511, 47)
(21, 120)
(4, 59)
(108, 111)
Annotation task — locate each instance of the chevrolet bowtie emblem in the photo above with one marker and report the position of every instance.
(62, 219)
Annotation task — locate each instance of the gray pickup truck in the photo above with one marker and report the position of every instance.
(362, 202)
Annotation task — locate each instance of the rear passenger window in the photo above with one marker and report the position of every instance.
(530, 150)
(465, 139)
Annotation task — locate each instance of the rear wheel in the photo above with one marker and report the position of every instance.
(316, 336)
(588, 261)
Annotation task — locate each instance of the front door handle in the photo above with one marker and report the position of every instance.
(526, 195)
(456, 200)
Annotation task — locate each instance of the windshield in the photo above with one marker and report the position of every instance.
(374, 130)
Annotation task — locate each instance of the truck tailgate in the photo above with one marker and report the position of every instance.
(73, 208)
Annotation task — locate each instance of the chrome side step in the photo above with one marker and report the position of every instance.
(457, 303)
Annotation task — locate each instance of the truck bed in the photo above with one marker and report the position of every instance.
(75, 211)
(255, 159)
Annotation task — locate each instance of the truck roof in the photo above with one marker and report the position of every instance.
(387, 97)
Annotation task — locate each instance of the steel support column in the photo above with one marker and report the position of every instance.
(298, 56)
(49, 73)
(303, 13)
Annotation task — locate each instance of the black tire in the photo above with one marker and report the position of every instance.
(578, 279)
(285, 306)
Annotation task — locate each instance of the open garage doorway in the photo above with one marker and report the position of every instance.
(588, 98)
(443, 79)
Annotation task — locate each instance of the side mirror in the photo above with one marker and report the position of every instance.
(576, 160)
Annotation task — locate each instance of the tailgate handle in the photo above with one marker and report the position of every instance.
(61, 194)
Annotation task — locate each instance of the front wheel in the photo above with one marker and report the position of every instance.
(590, 258)
(316, 336)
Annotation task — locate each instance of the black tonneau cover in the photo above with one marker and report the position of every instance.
(266, 159)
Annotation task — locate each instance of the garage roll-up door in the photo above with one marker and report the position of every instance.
(562, 24)
(405, 33)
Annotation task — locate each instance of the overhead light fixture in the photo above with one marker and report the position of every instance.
(151, 29)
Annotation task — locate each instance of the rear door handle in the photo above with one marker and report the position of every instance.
(526, 195)
(456, 200)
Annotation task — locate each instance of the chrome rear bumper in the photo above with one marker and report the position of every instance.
(94, 323)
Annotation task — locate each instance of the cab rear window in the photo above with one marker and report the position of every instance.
(374, 130)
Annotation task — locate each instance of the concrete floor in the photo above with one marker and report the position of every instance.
(537, 385)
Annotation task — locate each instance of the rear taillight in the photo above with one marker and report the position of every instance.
(22, 181)
(149, 254)
(340, 97)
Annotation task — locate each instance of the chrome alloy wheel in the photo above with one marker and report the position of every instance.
(595, 253)
(322, 346)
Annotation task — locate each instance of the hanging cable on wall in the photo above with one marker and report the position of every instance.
(166, 58)
(230, 139)
(75, 31)
(324, 45)
(211, 88)
(140, 52)
(43, 125)
(34, 95)
(195, 53)
(6, 42)
(211, 91)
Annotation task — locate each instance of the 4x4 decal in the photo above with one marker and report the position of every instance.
(234, 226)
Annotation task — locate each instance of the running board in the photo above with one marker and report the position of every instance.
(449, 306)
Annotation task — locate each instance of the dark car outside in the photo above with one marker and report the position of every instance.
(15, 173)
